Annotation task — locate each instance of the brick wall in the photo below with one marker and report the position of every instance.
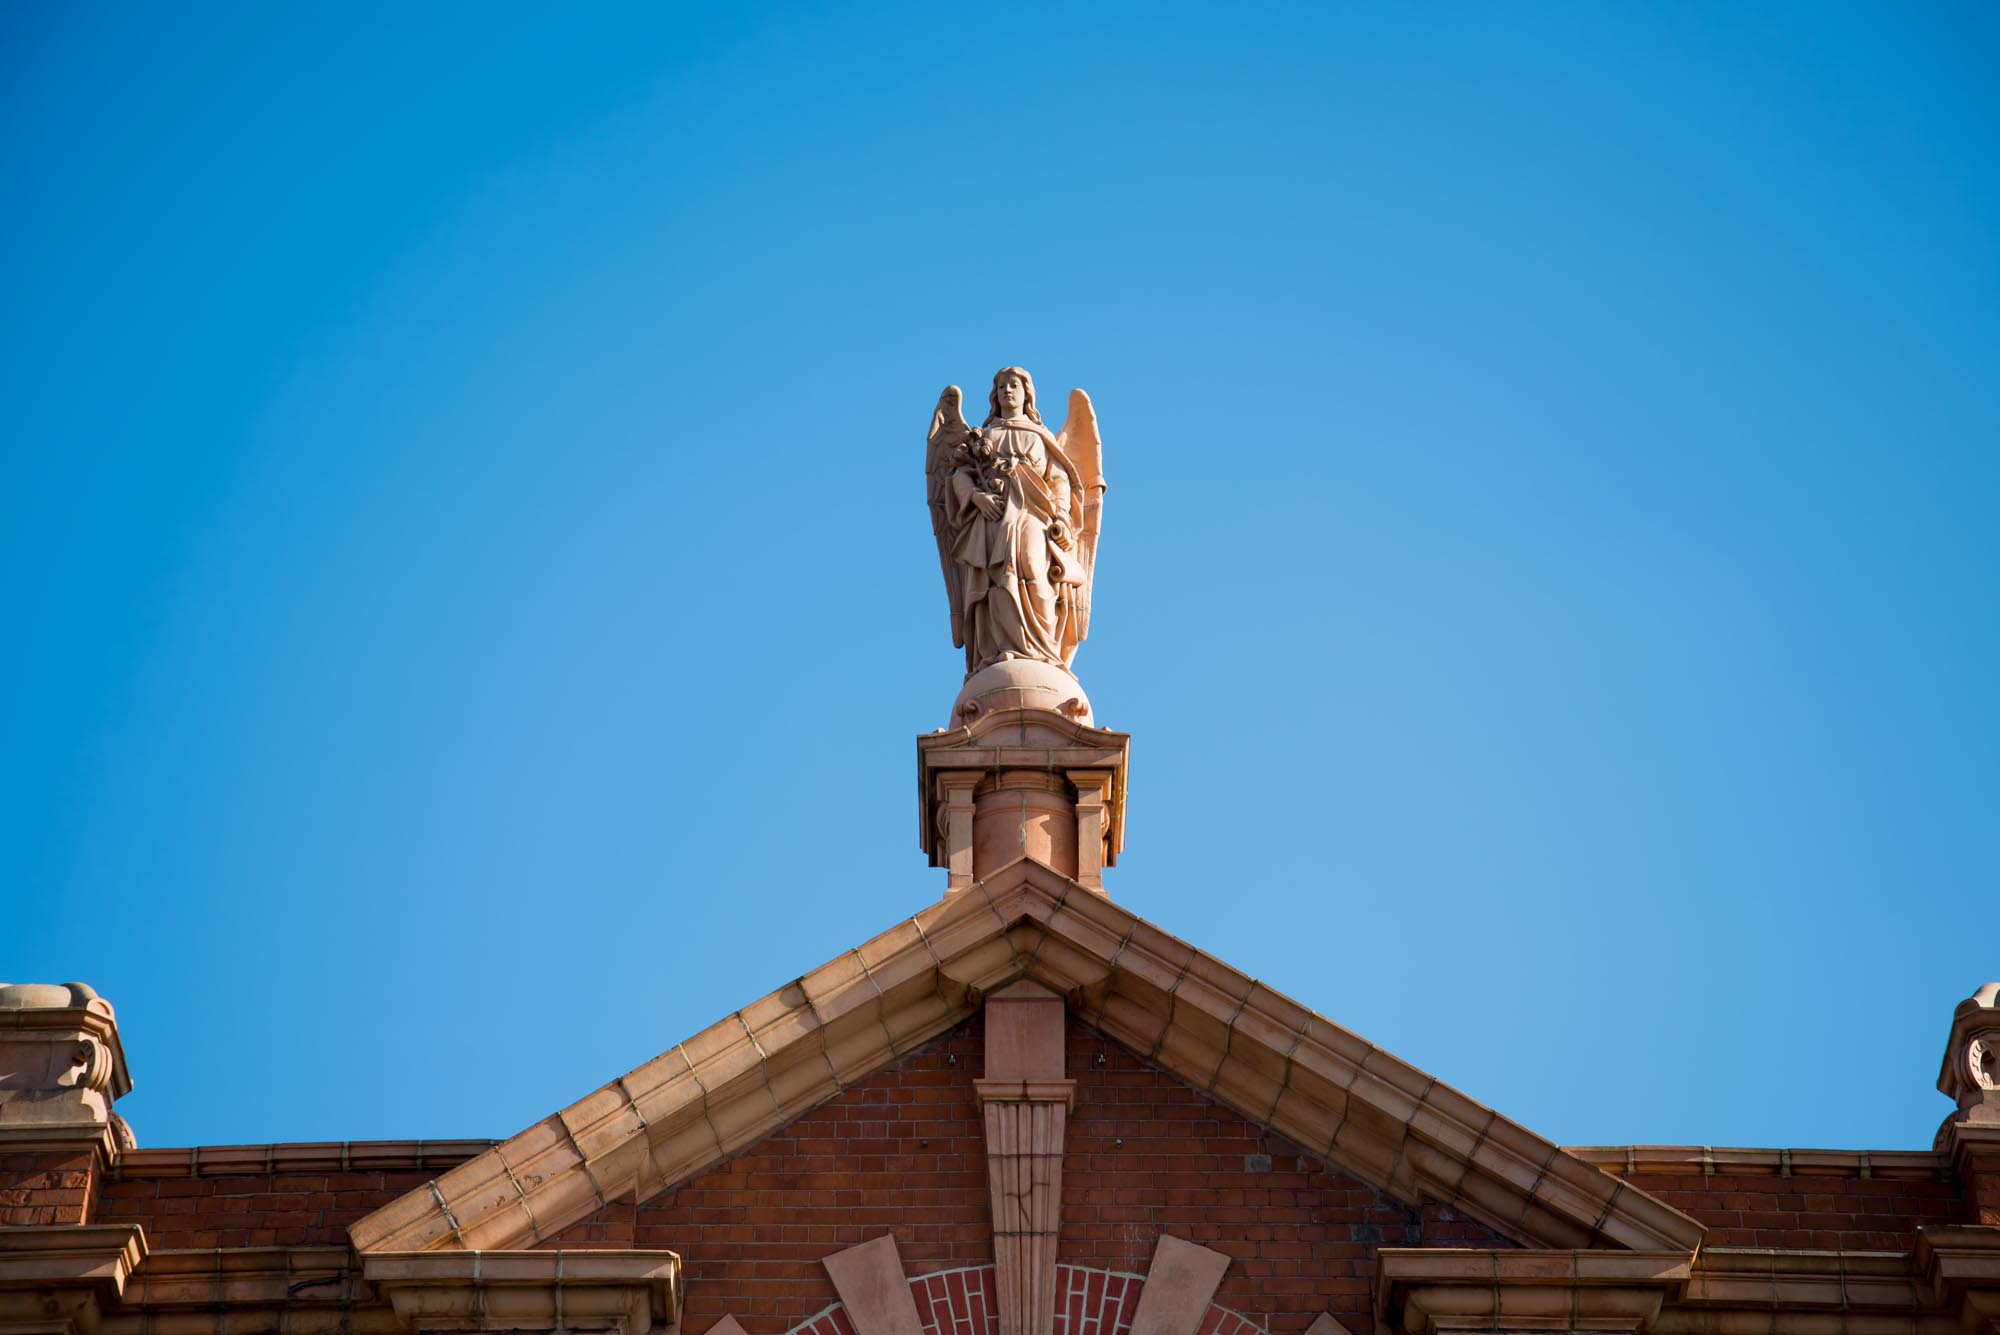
(1820, 1213)
(46, 1187)
(903, 1152)
(1302, 1234)
(310, 1209)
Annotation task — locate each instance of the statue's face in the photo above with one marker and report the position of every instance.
(1012, 393)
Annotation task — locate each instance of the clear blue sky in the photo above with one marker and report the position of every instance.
(468, 598)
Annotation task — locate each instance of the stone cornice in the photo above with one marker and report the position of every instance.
(1425, 1290)
(93, 1016)
(623, 1292)
(58, 1279)
(1026, 1091)
(245, 1280)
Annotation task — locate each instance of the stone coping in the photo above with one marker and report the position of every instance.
(1717, 1160)
(1254, 1050)
(327, 1156)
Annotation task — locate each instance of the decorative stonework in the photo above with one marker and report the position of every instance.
(1022, 784)
(1026, 1101)
(61, 1068)
(61, 1063)
(1970, 1077)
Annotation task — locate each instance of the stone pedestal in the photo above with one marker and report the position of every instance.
(1022, 782)
(61, 1067)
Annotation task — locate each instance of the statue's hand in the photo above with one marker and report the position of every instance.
(988, 504)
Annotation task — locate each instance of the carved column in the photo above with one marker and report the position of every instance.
(1026, 1102)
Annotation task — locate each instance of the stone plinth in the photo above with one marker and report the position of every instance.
(1022, 782)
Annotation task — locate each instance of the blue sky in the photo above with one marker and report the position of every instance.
(469, 600)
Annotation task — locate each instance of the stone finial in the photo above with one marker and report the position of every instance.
(1970, 1075)
(61, 1064)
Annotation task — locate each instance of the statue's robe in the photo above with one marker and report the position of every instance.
(1015, 575)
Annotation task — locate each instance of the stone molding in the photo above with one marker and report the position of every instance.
(620, 1292)
(1248, 1046)
(101, 1280)
(251, 1280)
(59, 1279)
(1424, 1290)
(1962, 1268)
(1951, 1284)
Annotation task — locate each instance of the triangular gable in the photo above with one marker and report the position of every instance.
(1251, 1048)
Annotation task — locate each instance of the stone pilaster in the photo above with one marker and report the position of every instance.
(1026, 1103)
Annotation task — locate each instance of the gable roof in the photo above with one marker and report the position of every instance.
(1251, 1048)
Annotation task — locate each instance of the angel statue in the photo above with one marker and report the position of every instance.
(1015, 510)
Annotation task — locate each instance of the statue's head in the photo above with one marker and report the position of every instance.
(1013, 394)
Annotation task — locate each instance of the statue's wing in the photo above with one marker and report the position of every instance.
(947, 436)
(1081, 445)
